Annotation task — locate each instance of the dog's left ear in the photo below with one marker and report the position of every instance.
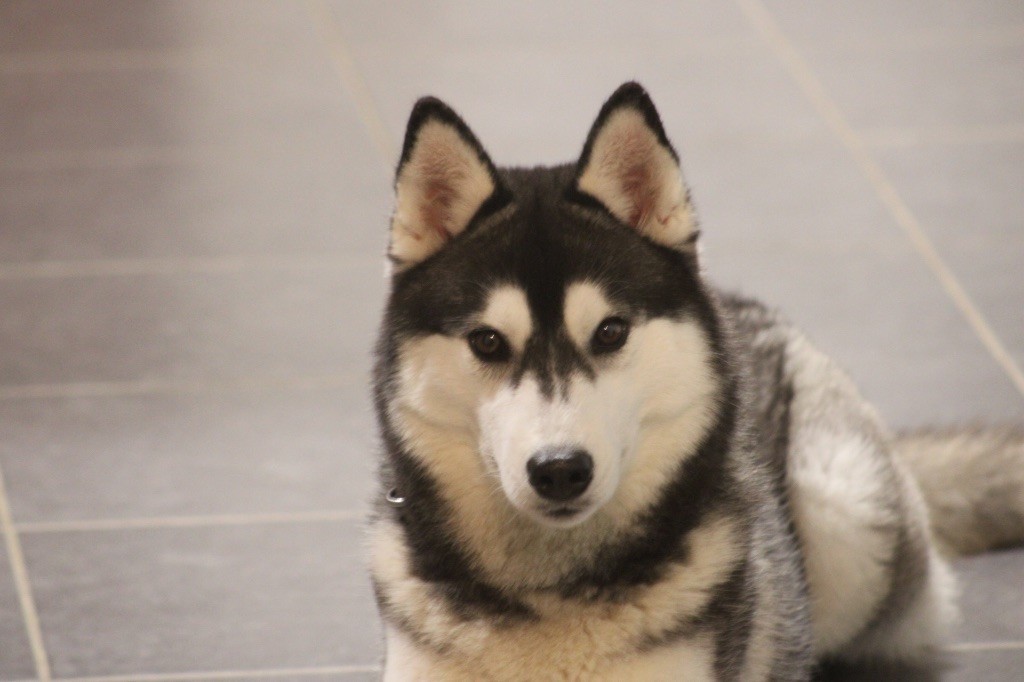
(444, 179)
(629, 166)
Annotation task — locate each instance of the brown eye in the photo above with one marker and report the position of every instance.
(488, 345)
(610, 335)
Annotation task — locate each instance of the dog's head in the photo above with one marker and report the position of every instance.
(547, 340)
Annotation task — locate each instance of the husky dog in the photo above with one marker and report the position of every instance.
(597, 467)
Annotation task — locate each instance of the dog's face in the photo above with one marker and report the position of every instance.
(547, 334)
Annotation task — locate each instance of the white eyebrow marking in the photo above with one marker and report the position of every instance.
(585, 306)
(508, 311)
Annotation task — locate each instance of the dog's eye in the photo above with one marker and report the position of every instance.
(610, 335)
(489, 345)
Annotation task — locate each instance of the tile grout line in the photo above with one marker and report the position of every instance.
(194, 521)
(103, 59)
(117, 157)
(811, 86)
(971, 647)
(135, 266)
(923, 39)
(117, 389)
(228, 674)
(896, 138)
(23, 586)
(107, 60)
(352, 80)
(133, 157)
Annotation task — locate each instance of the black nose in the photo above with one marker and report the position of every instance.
(560, 474)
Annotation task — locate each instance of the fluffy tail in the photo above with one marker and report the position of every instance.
(973, 484)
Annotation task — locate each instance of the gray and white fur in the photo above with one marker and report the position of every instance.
(598, 467)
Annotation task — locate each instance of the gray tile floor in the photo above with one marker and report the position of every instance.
(193, 198)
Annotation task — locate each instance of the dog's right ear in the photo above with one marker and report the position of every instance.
(444, 178)
(629, 166)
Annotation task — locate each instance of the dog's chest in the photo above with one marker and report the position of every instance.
(650, 632)
(573, 655)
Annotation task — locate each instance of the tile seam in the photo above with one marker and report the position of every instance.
(268, 673)
(925, 39)
(117, 157)
(111, 158)
(209, 386)
(83, 59)
(34, 62)
(162, 266)
(972, 647)
(23, 586)
(352, 80)
(810, 85)
(187, 521)
(924, 136)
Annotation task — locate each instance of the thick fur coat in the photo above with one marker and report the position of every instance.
(598, 467)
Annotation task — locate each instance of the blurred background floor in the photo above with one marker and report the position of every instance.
(193, 205)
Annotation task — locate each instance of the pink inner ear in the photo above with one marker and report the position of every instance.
(637, 185)
(638, 180)
(632, 165)
(637, 176)
(435, 212)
